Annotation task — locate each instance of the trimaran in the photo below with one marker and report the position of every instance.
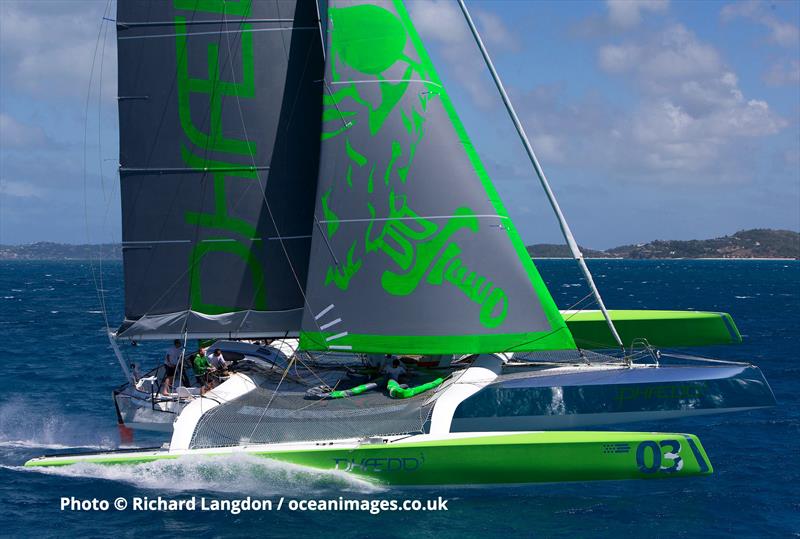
(297, 187)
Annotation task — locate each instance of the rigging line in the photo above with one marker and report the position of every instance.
(100, 113)
(432, 217)
(168, 23)
(321, 33)
(146, 243)
(186, 170)
(309, 368)
(380, 81)
(574, 306)
(106, 200)
(150, 242)
(272, 397)
(565, 230)
(283, 36)
(345, 122)
(327, 243)
(182, 360)
(210, 427)
(703, 359)
(551, 332)
(264, 187)
(240, 31)
(95, 280)
(602, 346)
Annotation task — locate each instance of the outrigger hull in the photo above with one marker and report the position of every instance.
(579, 398)
(469, 458)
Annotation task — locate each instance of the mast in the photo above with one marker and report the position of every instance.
(565, 230)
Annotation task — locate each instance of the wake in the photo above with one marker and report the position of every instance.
(245, 474)
(36, 444)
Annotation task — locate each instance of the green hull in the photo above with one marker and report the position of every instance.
(531, 457)
(662, 329)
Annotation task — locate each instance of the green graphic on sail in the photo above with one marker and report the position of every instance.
(219, 110)
(414, 252)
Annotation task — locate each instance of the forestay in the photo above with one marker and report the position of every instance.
(413, 251)
(219, 107)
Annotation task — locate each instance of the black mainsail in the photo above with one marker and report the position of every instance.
(219, 112)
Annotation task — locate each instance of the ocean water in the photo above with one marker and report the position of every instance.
(57, 373)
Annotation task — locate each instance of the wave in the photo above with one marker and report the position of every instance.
(245, 474)
(33, 444)
(29, 424)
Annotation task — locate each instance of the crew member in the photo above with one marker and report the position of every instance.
(395, 371)
(203, 370)
(217, 360)
(171, 361)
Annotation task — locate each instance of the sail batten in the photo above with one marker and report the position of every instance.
(414, 247)
(219, 137)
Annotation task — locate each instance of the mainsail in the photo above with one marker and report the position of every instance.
(219, 107)
(413, 251)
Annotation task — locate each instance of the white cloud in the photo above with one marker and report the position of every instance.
(619, 58)
(677, 54)
(628, 13)
(691, 119)
(47, 47)
(495, 32)
(19, 189)
(780, 32)
(549, 147)
(692, 110)
(441, 22)
(441, 19)
(671, 138)
(14, 134)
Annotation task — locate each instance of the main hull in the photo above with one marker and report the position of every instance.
(469, 458)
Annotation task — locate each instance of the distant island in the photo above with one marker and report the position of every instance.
(755, 243)
(45, 250)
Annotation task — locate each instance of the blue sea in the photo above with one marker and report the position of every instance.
(57, 373)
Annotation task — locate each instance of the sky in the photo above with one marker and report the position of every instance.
(652, 120)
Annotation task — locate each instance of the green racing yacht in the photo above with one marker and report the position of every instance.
(299, 192)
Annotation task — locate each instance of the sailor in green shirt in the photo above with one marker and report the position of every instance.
(203, 369)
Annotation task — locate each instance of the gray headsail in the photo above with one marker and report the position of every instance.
(219, 114)
(413, 251)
